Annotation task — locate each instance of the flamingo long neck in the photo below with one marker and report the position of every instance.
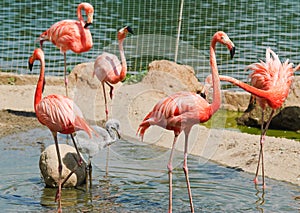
(123, 60)
(255, 91)
(79, 14)
(216, 103)
(40, 84)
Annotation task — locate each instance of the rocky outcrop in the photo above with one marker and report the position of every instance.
(287, 119)
(49, 166)
(168, 75)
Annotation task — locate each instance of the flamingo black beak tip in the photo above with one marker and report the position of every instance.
(87, 25)
(30, 65)
(129, 29)
(232, 52)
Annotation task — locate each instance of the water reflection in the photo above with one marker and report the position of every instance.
(260, 193)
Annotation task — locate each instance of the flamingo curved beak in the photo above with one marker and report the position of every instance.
(232, 52)
(87, 24)
(129, 30)
(117, 132)
(89, 20)
(30, 65)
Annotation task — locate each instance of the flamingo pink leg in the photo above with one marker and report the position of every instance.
(65, 75)
(261, 152)
(185, 169)
(58, 192)
(105, 101)
(170, 169)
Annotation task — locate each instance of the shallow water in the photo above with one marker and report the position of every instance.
(138, 182)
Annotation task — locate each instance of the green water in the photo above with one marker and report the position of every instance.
(227, 119)
(253, 25)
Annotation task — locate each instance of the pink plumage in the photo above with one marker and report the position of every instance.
(180, 111)
(71, 35)
(108, 68)
(59, 114)
(271, 82)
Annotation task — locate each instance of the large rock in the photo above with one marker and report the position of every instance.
(235, 101)
(49, 166)
(88, 93)
(287, 119)
(170, 76)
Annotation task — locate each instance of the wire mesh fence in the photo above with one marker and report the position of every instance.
(252, 25)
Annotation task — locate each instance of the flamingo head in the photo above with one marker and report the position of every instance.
(113, 128)
(89, 11)
(123, 32)
(37, 54)
(223, 38)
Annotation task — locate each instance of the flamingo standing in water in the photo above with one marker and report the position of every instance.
(71, 35)
(59, 114)
(271, 82)
(180, 111)
(109, 69)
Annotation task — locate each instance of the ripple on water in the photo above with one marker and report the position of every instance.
(138, 180)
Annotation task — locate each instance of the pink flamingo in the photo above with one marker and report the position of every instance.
(180, 111)
(71, 35)
(59, 114)
(271, 82)
(108, 67)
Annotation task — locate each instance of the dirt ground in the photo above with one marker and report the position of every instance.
(131, 103)
(17, 121)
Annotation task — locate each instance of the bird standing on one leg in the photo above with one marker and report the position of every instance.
(108, 68)
(271, 82)
(71, 35)
(59, 114)
(181, 111)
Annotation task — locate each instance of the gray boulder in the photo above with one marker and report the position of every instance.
(49, 166)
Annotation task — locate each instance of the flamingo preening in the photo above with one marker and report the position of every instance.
(271, 82)
(108, 68)
(71, 35)
(60, 114)
(181, 111)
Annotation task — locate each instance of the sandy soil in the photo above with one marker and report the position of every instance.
(16, 121)
(130, 105)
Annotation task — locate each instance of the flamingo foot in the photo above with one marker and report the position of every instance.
(255, 180)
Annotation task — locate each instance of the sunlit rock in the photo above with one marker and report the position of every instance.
(49, 166)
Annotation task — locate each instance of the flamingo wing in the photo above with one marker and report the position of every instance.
(272, 76)
(69, 35)
(176, 112)
(61, 114)
(107, 67)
